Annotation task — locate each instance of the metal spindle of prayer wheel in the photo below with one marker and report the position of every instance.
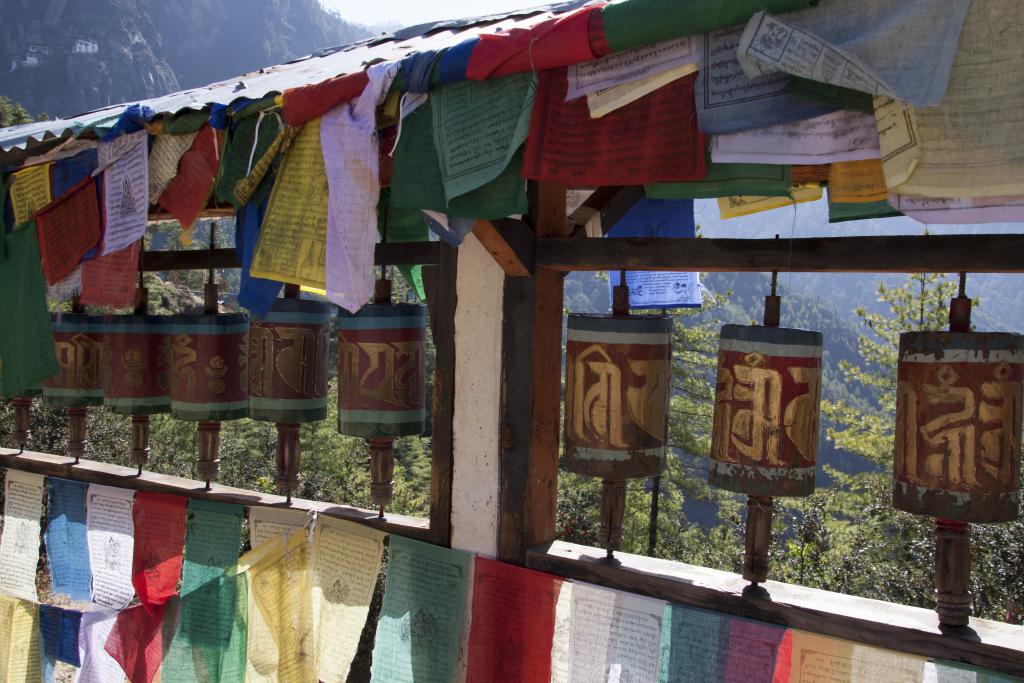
(764, 440)
(958, 425)
(208, 379)
(22, 405)
(78, 343)
(288, 356)
(381, 381)
(618, 372)
(136, 384)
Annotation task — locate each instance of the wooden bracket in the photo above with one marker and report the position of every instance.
(510, 242)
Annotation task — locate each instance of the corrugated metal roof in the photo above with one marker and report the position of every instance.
(313, 68)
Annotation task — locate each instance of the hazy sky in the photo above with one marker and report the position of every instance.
(409, 12)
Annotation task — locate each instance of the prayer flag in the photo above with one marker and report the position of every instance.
(19, 636)
(159, 522)
(212, 542)
(19, 546)
(136, 640)
(58, 632)
(164, 156)
(247, 141)
(254, 293)
(70, 171)
(186, 193)
(110, 280)
(732, 207)
(30, 191)
(267, 522)
(125, 189)
(212, 646)
(110, 533)
(97, 664)
(67, 548)
(307, 102)
(820, 654)
(68, 229)
(724, 180)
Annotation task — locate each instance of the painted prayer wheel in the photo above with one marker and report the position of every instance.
(78, 342)
(382, 370)
(207, 375)
(767, 401)
(958, 425)
(139, 364)
(288, 356)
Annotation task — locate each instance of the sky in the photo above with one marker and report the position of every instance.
(410, 12)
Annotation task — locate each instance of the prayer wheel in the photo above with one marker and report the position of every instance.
(137, 382)
(208, 378)
(78, 384)
(618, 375)
(957, 454)
(764, 439)
(382, 380)
(288, 357)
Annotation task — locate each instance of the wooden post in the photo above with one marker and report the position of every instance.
(442, 300)
(208, 435)
(22, 420)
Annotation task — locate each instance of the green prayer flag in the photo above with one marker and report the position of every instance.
(26, 342)
(633, 23)
(189, 122)
(832, 95)
(193, 658)
(841, 212)
(404, 225)
(247, 141)
(729, 180)
(416, 179)
(420, 625)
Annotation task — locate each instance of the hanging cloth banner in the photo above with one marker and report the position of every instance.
(478, 126)
(110, 280)
(213, 646)
(698, 645)
(405, 225)
(614, 635)
(959, 210)
(267, 522)
(831, 95)
(631, 66)
(19, 640)
(728, 101)
(654, 139)
(163, 161)
(733, 207)
(247, 141)
(551, 44)
(125, 190)
(419, 630)
(851, 661)
(67, 548)
(187, 192)
(30, 191)
(983, 154)
(658, 218)
(345, 564)
(70, 171)
(839, 136)
(416, 181)
(293, 237)
(606, 101)
(68, 229)
(212, 542)
(256, 186)
(724, 180)
(58, 636)
(110, 532)
(19, 545)
(26, 348)
(643, 22)
(856, 191)
(280, 632)
(348, 135)
(255, 294)
(136, 640)
(902, 50)
(159, 522)
(305, 103)
(513, 623)
(97, 664)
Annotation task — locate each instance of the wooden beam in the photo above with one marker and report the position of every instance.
(549, 217)
(92, 472)
(897, 254)
(989, 644)
(443, 300)
(389, 254)
(510, 242)
(611, 203)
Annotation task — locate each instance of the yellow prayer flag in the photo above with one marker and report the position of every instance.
(30, 191)
(732, 207)
(608, 100)
(816, 657)
(292, 245)
(857, 182)
(19, 640)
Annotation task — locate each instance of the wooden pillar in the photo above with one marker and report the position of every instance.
(442, 299)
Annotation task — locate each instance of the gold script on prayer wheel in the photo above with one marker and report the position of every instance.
(767, 394)
(618, 377)
(958, 425)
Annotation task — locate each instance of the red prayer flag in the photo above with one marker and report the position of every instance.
(188, 191)
(159, 520)
(110, 280)
(654, 139)
(551, 44)
(136, 641)
(513, 623)
(68, 228)
(307, 102)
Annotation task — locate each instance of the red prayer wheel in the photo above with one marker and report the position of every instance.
(139, 363)
(207, 375)
(958, 425)
(618, 375)
(767, 400)
(78, 384)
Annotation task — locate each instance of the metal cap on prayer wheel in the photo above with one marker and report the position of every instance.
(767, 399)
(381, 370)
(958, 425)
(208, 376)
(288, 355)
(138, 364)
(78, 343)
(618, 372)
